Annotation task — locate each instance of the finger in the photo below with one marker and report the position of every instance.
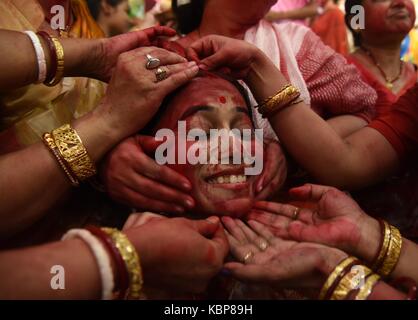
(135, 199)
(221, 241)
(178, 79)
(276, 208)
(175, 68)
(165, 57)
(208, 227)
(139, 219)
(278, 225)
(155, 190)
(202, 48)
(309, 192)
(161, 173)
(159, 31)
(249, 234)
(234, 230)
(233, 243)
(261, 230)
(271, 166)
(192, 55)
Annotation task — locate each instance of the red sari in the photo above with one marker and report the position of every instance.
(395, 199)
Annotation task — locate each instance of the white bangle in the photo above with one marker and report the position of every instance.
(40, 56)
(102, 259)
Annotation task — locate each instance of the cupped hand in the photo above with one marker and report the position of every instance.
(328, 216)
(132, 177)
(178, 254)
(282, 264)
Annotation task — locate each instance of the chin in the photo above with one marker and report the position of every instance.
(234, 208)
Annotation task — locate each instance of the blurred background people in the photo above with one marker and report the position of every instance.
(330, 27)
(111, 15)
(299, 11)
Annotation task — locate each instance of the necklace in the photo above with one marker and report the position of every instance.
(389, 82)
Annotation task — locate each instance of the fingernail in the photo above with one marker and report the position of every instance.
(195, 69)
(191, 64)
(179, 209)
(203, 66)
(214, 220)
(186, 185)
(260, 186)
(189, 203)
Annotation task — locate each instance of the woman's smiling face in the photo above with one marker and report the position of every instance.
(206, 103)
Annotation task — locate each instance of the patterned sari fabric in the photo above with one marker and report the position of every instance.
(26, 113)
(327, 83)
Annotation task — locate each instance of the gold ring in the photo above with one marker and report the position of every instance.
(161, 74)
(152, 62)
(248, 256)
(263, 245)
(296, 214)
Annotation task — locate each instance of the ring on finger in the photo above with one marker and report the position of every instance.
(161, 74)
(248, 256)
(152, 62)
(296, 212)
(263, 244)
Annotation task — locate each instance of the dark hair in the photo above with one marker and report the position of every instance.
(189, 16)
(148, 130)
(94, 6)
(349, 4)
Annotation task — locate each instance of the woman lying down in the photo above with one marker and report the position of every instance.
(205, 106)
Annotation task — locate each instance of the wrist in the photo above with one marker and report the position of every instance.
(370, 238)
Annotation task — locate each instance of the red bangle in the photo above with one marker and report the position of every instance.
(382, 232)
(408, 283)
(53, 54)
(122, 282)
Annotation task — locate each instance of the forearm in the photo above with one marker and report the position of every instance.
(20, 67)
(298, 124)
(26, 273)
(32, 181)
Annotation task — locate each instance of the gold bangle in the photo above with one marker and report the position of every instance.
(385, 246)
(333, 276)
(351, 281)
(74, 153)
(60, 63)
(284, 98)
(367, 288)
(131, 259)
(50, 144)
(393, 253)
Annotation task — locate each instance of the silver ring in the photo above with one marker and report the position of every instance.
(161, 74)
(152, 62)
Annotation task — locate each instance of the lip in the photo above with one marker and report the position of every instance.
(400, 14)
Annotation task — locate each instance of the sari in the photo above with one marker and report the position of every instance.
(330, 27)
(27, 112)
(321, 74)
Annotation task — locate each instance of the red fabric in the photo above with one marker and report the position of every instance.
(330, 27)
(386, 98)
(400, 124)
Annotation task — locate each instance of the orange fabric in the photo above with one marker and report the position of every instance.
(84, 25)
(400, 125)
(330, 27)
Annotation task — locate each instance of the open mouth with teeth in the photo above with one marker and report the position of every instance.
(227, 179)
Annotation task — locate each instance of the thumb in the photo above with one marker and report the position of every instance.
(208, 227)
(148, 143)
(220, 240)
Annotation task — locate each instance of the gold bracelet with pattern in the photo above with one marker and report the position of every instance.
(393, 253)
(73, 152)
(60, 62)
(50, 144)
(284, 98)
(353, 280)
(334, 275)
(367, 288)
(131, 259)
(385, 246)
